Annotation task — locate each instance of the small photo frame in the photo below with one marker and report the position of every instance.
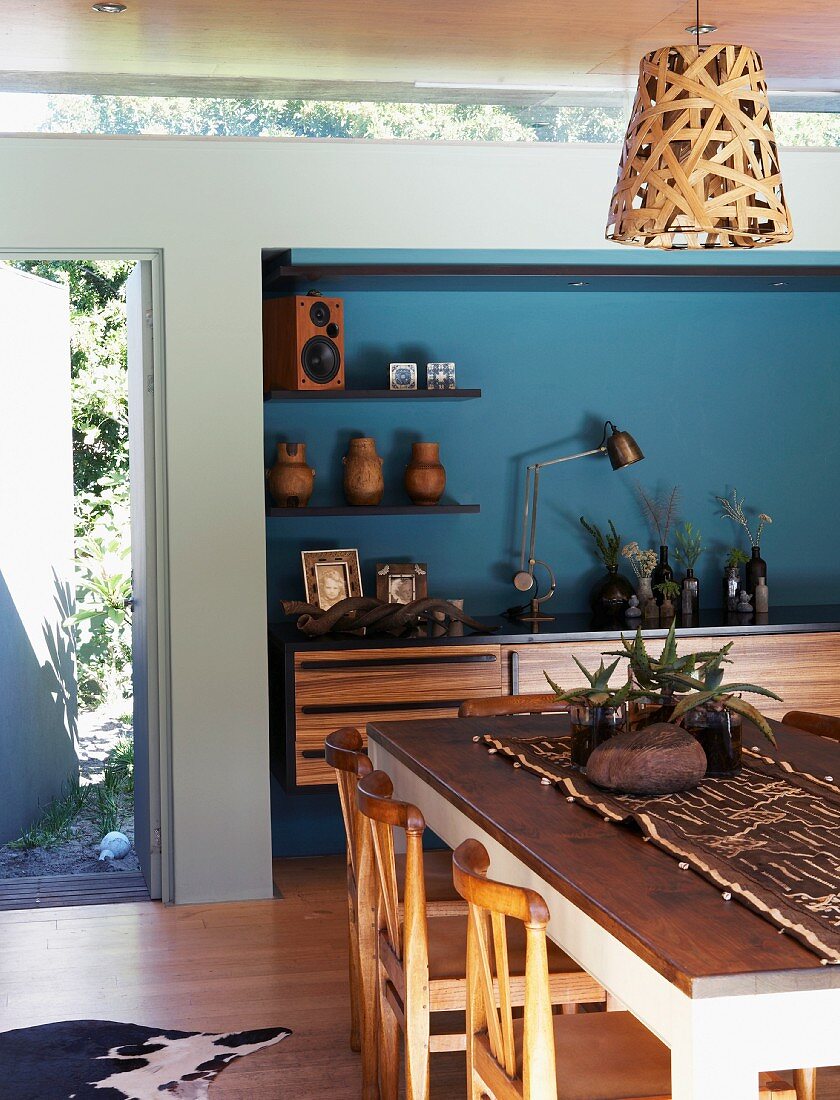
(401, 582)
(440, 376)
(331, 576)
(403, 376)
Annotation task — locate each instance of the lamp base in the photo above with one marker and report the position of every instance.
(534, 615)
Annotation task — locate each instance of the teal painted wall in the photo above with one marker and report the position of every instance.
(722, 385)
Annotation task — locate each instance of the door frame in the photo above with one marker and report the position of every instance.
(158, 646)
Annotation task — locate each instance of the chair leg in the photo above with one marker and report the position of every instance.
(389, 1053)
(417, 1052)
(355, 977)
(805, 1083)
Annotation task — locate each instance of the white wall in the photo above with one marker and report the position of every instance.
(211, 205)
(37, 657)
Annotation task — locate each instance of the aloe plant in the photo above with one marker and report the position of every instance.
(709, 688)
(652, 673)
(597, 692)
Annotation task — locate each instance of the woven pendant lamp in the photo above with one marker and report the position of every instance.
(700, 167)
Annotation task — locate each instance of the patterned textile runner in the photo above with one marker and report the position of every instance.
(770, 836)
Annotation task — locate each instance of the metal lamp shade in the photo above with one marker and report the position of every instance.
(700, 167)
(623, 450)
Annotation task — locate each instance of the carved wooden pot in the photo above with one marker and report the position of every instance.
(425, 478)
(363, 481)
(290, 480)
(660, 759)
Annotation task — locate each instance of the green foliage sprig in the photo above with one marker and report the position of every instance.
(608, 545)
(736, 558)
(689, 545)
(669, 589)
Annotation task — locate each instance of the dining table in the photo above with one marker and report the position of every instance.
(725, 988)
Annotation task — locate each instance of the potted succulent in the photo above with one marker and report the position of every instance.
(756, 565)
(669, 591)
(656, 694)
(596, 711)
(732, 577)
(713, 711)
(643, 563)
(689, 548)
(611, 596)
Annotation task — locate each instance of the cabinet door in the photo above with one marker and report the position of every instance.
(524, 666)
(354, 687)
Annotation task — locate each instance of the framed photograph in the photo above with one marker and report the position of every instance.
(330, 576)
(403, 376)
(440, 376)
(401, 582)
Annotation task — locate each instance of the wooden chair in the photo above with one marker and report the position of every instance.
(422, 989)
(824, 725)
(344, 752)
(596, 1056)
(546, 703)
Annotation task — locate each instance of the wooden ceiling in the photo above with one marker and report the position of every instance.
(380, 48)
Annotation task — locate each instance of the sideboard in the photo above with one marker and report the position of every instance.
(318, 685)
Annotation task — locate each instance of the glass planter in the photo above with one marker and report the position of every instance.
(644, 712)
(719, 732)
(591, 726)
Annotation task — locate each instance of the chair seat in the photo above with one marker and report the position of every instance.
(437, 865)
(606, 1056)
(448, 950)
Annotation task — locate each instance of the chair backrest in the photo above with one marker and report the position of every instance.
(343, 751)
(491, 1051)
(826, 725)
(546, 703)
(408, 939)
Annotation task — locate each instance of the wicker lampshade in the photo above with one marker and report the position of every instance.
(700, 168)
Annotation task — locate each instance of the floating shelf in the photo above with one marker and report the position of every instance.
(378, 510)
(373, 395)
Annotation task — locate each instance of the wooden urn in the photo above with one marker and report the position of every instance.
(657, 759)
(364, 484)
(425, 478)
(290, 479)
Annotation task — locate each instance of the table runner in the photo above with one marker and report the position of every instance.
(769, 837)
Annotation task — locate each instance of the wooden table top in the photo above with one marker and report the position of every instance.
(675, 920)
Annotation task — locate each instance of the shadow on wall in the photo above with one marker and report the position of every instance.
(38, 713)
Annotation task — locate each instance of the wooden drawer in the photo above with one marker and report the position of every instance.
(803, 668)
(357, 686)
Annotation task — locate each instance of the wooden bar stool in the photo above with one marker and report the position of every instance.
(422, 989)
(593, 1056)
(824, 725)
(344, 752)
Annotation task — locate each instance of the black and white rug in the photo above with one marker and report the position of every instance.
(103, 1060)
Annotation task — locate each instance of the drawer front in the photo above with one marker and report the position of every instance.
(396, 675)
(804, 669)
(354, 687)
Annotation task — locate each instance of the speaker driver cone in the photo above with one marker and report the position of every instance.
(320, 360)
(319, 314)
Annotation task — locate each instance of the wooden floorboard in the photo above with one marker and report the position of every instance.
(216, 968)
(50, 891)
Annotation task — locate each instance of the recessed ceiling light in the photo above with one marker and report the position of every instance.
(109, 9)
(579, 282)
(778, 284)
(701, 28)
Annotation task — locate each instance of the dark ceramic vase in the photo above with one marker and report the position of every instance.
(610, 597)
(662, 571)
(756, 567)
(719, 732)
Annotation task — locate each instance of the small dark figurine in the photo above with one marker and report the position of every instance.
(744, 607)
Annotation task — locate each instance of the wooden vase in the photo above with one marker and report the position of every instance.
(425, 478)
(363, 480)
(290, 479)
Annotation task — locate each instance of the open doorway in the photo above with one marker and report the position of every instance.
(80, 818)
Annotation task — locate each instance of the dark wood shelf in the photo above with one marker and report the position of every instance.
(280, 273)
(373, 395)
(378, 510)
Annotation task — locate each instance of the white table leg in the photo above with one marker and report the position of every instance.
(710, 1065)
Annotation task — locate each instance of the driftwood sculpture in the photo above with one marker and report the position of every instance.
(659, 759)
(366, 613)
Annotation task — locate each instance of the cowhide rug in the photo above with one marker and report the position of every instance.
(103, 1060)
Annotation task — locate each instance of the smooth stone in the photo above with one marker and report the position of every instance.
(658, 759)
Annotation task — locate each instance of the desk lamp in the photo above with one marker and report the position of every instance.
(622, 450)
